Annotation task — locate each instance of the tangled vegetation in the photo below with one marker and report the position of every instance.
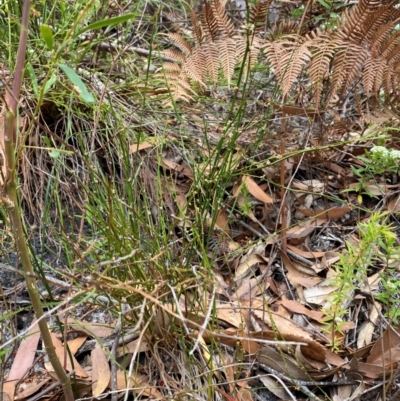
(200, 201)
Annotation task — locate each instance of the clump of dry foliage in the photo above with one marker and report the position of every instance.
(360, 54)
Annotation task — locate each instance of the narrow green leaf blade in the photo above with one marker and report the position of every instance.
(77, 81)
(324, 4)
(47, 35)
(50, 82)
(107, 22)
(33, 77)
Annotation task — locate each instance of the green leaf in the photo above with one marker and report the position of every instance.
(33, 77)
(78, 83)
(54, 154)
(47, 35)
(324, 4)
(107, 22)
(50, 82)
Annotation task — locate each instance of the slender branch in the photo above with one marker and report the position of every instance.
(11, 203)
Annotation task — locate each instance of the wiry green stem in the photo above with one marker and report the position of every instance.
(10, 201)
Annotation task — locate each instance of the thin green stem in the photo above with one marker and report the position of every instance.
(11, 203)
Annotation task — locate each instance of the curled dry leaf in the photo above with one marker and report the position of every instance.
(220, 285)
(292, 272)
(255, 190)
(298, 233)
(22, 361)
(250, 346)
(331, 213)
(329, 259)
(386, 350)
(92, 329)
(171, 165)
(247, 267)
(251, 288)
(244, 395)
(296, 307)
(282, 363)
(372, 284)
(394, 203)
(140, 146)
(62, 356)
(368, 327)
(306, 282)
(229, 369)
(222, 220)
(308, 363)
(377, 189)
(135, 147)
(75, 344)
(274, 386)
(228, 314)
(319, 294)
(316, 186)
(305, 254)
(84, 385)
(101, 373)
(27, 389)
(286, 329)
(139, 384)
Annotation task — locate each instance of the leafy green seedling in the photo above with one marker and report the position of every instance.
(47, 35)
(107, 22)
(78, 83)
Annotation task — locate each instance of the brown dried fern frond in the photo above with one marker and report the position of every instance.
(195, 66)
(209, 22)
(178, 86)
(296, 57)
(347, 67)
(353, 20)
(373, 75)
(174, 54)
(250, 49)
(281, 29)
(181, 43)
(225, 24)
(258, 14)
(370, 36)
(249, 45)
(197, 29)
(361, 22)
(171, 67)
(288, 56)
(227, 56)
(217, 46)
(211, 56)
(275, 51)
(364, 48)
